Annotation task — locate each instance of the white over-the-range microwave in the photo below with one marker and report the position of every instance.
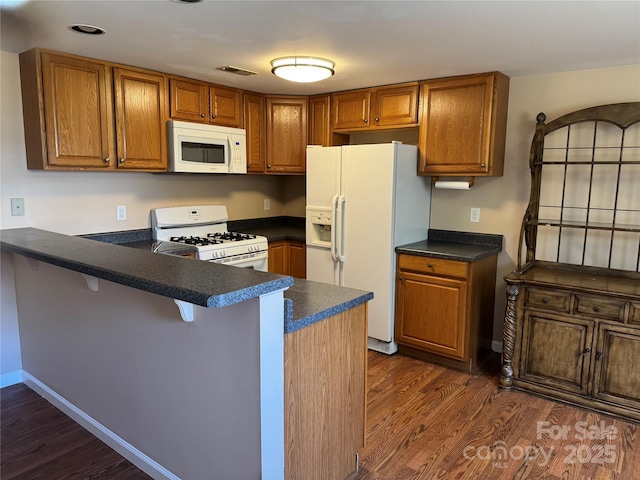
(202, 148)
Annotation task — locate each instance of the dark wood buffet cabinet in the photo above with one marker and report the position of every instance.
(572, 321)
(87, 114)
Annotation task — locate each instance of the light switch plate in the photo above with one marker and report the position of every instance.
(474, 216)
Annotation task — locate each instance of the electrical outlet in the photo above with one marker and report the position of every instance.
(267, 204)
(17, 207)
(474, 216)
(121, 213)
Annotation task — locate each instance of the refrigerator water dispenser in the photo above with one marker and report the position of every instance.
(319, 227)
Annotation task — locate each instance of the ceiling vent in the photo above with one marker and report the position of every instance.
(237, 70)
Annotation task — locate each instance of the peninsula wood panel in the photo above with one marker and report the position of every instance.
(325, 396)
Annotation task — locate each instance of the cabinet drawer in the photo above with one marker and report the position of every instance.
(433, 266)
(600, 307)
(548, 299)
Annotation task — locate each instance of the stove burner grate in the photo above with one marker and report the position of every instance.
(231, 236)
(195, 241)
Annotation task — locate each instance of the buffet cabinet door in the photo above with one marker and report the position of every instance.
(556, 351)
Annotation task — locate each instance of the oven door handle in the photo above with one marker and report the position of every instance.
(253, 259)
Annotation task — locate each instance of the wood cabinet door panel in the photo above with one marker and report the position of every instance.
(319, 127)
(455, 128)
(286, 134)
(255, 127)
(140, 120)
(431, 314)
(189, 100)
(617, 378)
(277, 258)
(351, 109)
(395, 106)
(225, 106)
(76, 112)
(556, 351)
(297, 259)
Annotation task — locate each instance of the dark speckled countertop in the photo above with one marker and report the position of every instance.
(126, 258)
(201, 283)
(274, 228)
(450, 245)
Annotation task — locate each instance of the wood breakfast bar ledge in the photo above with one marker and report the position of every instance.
(192, 369)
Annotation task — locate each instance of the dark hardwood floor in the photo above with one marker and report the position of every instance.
(424, 422)
(38, 441)
(428, 422)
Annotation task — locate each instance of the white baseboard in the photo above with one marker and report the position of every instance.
(10, 378)
(128, 451)
(382, 347)
(496, 346)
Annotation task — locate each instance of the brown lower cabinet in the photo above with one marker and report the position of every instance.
(444, 309)
(288, 257)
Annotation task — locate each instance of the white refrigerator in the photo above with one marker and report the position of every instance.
(362, 202)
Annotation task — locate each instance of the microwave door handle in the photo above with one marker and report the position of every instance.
(228, 154)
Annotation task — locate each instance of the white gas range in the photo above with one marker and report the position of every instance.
(204, 227)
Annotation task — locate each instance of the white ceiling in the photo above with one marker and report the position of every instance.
(372, 42)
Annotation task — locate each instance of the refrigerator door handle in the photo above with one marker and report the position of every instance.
(340, 251)
(334, 209)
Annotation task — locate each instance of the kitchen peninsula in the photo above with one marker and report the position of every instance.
(237, 390)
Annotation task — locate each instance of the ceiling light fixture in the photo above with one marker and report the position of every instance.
(302, 69)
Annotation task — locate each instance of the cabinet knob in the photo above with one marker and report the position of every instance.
(586, 350)
(366, 120)
(483, 165)
(597, 309)
(598, 355)
(268, 166)
(213, 116)
(430, 265)
(107, 160)
(122, 160)
(202, 115)
(377, 119)
(546, 300)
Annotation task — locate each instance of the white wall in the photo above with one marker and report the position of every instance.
(503, 200)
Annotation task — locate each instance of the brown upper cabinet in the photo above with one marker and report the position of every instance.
(196, 101)
(393, 106)
(69, 121)
(286, 136)
(462, 125)
(254, 124)
(319, 121)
